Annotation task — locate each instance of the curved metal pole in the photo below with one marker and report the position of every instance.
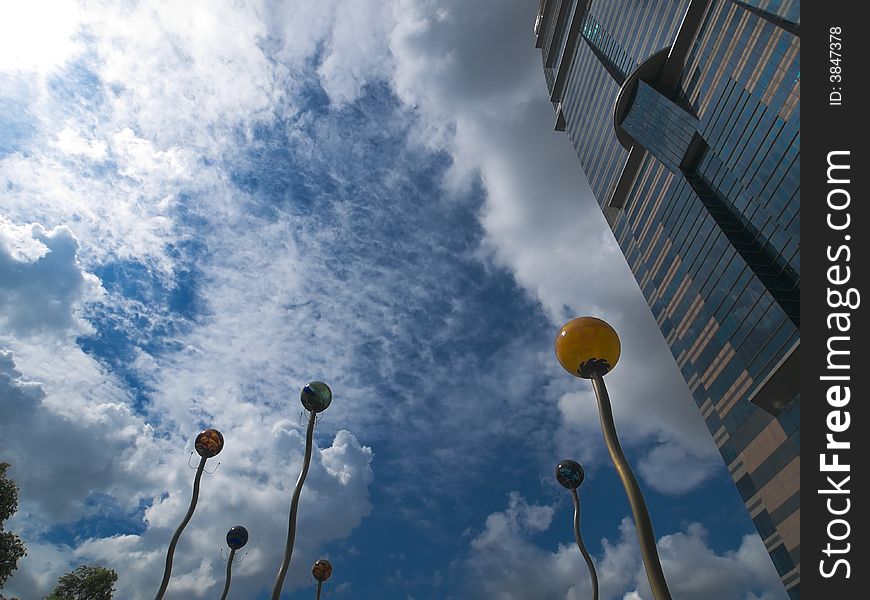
(583, 551)
(229, 574)
(647, 538)
(319, 586)
(170, 553)
(294, 503)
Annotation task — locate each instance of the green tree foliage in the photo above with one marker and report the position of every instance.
(11, 546)
(85, 583)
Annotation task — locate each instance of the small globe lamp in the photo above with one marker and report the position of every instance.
(322, 570)
(315, 397)
(237, 537)
(589, 348)
(570, 475)
(208, 444)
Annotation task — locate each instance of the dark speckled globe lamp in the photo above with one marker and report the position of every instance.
(570, 475)
(237, 537)
(322, 570)
(316, 397)
(589, 348)
(208, 444)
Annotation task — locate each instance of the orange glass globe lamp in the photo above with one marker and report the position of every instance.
(322, 570)
(587, 346)
(209, 443)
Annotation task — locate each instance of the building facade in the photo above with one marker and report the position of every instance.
(685, 117)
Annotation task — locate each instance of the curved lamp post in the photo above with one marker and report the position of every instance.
(208, 443)
(588, 347)
(570, 475)
(316, 397)
(237, 537)
(322, 570)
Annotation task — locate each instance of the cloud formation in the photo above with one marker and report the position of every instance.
(101, 465)
(469, 70)
(42, 284)
(474, 88)
(238, 197)
(505, 563)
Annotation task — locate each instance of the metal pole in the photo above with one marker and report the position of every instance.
(170, 553)
(648, 550)
(582, 547)
(229, 574)
(294, 503)
(319, 586)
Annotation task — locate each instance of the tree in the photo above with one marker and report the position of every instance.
(11, 546)
(85, 583)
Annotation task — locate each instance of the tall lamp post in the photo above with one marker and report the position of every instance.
(588, 347)
(208, 443)
(316, 397)
(322, 570)
(237, 537)
(570, 475)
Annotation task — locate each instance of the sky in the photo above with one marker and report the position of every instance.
(204, 205)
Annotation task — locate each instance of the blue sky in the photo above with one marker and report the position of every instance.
(207, 205)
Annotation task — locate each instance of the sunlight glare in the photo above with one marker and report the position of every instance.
(37, 35)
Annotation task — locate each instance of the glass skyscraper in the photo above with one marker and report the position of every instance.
(685, 117)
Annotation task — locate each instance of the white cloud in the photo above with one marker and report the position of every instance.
(504, 563)
(179, 82)
(519, 517)
(75, 449)
(116, 215)
(70, 141)
(37, 35)
(355, 54)
(59, 462)
(472, 71)
(250, 493)
(141, 161)
(183, 67)
(671, 469)
(172, 83)
(42, 284)
(69, 425)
